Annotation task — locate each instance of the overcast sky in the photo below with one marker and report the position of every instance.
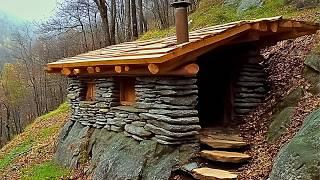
(29, 10)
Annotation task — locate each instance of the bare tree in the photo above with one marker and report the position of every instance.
(102, 6)
(128, 19)
(134, 20)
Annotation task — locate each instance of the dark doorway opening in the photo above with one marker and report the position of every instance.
(218, 71)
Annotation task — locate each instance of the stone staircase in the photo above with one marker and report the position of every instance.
(221, 155)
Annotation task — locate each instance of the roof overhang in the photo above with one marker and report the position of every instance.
(165, 57)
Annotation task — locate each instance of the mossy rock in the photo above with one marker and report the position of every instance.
(115, 156)
(233, 3)
(303, 3)
(313, 61)
(290, 100)
(300, 159)
(313, 78)
(279, 123)
(245, 5)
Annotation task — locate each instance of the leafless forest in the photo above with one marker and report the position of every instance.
(78, 26)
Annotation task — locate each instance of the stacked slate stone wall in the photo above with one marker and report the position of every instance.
(251, 86)
(164, 109)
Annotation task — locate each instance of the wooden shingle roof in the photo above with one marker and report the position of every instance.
(162, 56)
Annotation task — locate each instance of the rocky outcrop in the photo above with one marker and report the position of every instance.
(303, 3)
(248, 4)
(312, 72)
(300, 159)
(115, 156)
(280, 122)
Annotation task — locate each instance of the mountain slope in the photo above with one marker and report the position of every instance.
(29, 155)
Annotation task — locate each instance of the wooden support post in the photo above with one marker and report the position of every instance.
(263, 26)
(90, 70)
(98, 69)
(118, 69)
(154, 69)
(66, 71)
(76, 71)
(274, 26)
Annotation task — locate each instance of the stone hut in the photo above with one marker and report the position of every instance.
(168, 89)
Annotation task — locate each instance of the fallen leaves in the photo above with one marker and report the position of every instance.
(285, 68)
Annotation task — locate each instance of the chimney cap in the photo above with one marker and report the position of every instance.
(180, 3)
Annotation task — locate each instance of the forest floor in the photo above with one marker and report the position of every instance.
(285, 74)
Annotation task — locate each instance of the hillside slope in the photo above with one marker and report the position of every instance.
(29, 155)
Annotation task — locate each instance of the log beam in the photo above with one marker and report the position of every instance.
(274, 26)
(66, 71)
(154, 69)
(76, 71)
(126, 68)
(192, 69)
(90, 70)
(98, 69)
(118, 69)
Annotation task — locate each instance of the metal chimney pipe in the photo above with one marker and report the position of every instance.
(181, 19)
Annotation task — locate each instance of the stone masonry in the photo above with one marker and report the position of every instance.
(164, 110)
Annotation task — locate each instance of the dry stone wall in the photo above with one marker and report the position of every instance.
(164, 110)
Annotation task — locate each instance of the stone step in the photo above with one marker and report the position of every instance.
(221, 133)
(253, 74)
(213, 174)
(222, 144)
(225, 156)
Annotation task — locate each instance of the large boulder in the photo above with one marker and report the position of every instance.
(303, 3)
(234, 3)
(291, 100)
(313, 61)
(312, 72)
(280, 122)
(114, 156)
(300, 159)
(245, 5)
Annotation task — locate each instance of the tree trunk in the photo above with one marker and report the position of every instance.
(128, 20)
(113, 22)
(93, 47)
(134, 20)
(141, 17)
(104, 18)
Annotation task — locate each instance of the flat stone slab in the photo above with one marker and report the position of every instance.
(213, 174)
(224, 156)
(223, 144)
(128, 109)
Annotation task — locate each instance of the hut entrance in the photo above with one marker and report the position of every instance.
(215, 87)
(226, 91)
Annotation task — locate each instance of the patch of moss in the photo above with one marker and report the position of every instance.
(279, 123)
(14, 153)
(158, 33)
(49, 131)
(290, 100)
(46, 170)
(214, 13)
(313, 60)
(61, 109)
